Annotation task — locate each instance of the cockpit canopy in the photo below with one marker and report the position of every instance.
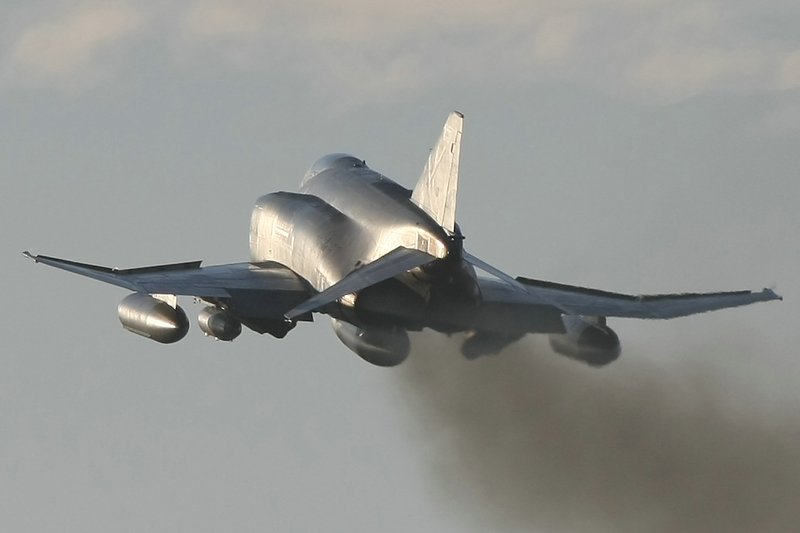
(337, 161)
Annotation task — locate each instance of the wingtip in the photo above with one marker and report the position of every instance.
(771, 294)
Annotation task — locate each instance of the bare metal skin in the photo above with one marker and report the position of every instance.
(381, 260)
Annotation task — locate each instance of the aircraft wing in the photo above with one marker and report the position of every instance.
(574, 300)
(255, 290)
(592, 302)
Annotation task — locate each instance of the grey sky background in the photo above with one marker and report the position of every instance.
(638, 146)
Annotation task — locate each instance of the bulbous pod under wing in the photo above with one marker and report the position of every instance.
(152, 318)
(587, 339)
(377, 345)
(217, 323)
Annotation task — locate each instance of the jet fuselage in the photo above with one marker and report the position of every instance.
(345, 215)
(348, 215)
(381, 260)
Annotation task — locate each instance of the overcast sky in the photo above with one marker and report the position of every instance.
(631, 145)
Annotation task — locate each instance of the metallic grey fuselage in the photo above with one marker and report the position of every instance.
(347, 215)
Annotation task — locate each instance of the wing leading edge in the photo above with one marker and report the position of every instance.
(575, 300)
(262, 290)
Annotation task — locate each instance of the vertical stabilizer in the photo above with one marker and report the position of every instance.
(436, 189)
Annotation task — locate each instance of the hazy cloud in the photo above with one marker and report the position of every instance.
(790, 71)
(69, 45)
(556, 36)
(650, 50)
(213, 20)
(674, 73)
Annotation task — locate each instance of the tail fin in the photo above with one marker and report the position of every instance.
(436, 189)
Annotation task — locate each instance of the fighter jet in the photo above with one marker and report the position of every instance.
(381, 261)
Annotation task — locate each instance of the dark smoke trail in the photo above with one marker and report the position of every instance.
(538, 442)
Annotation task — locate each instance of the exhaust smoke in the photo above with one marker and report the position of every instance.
(532, 441)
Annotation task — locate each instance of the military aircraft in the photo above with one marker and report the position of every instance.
(381, 260)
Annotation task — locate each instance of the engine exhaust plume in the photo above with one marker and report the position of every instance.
(537, 442)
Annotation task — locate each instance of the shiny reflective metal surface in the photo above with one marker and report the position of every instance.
(381, 260)
(152, 318)
(381, 346)
(218, 323)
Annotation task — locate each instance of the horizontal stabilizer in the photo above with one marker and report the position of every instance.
(539, 296)
(392, 264)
